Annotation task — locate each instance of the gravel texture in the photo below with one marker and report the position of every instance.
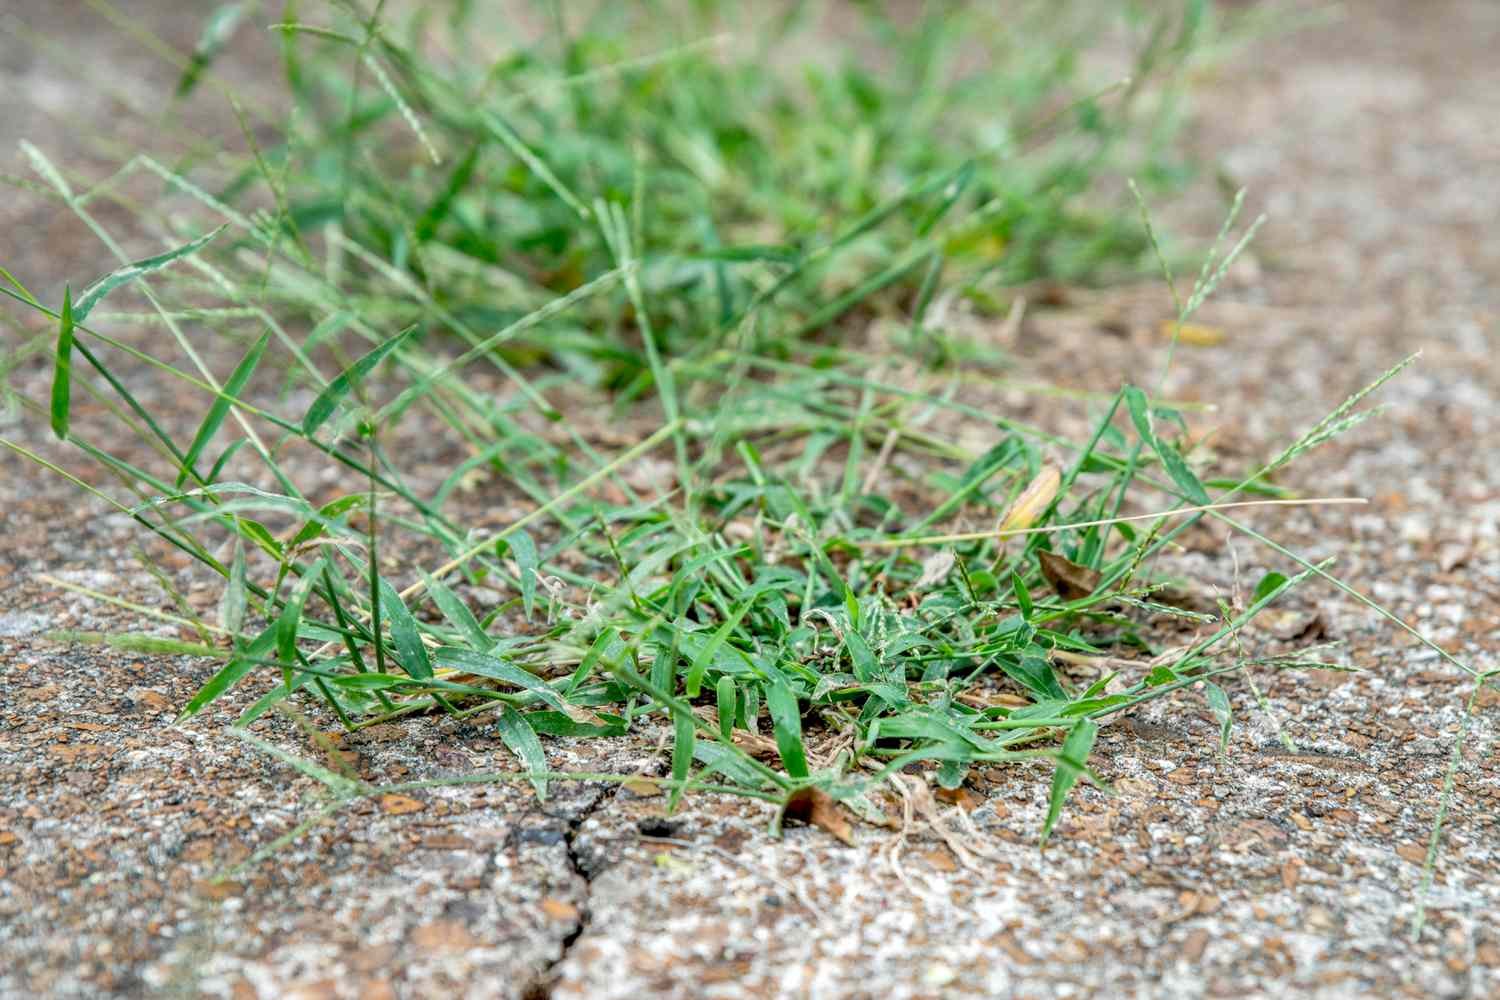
(1262, 871)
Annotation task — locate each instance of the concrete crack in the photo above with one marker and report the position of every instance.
(586, 869)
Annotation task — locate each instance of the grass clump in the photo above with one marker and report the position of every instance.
(762, 189)
(659, 306)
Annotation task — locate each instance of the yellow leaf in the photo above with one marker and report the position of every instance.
(1194, 334)
(1033, 501)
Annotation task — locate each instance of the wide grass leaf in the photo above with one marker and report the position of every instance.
(684, 738)
(1036, 675)
(458, 614)
(559, 724)
(95, 293)
(408, 641)
(318, 524)
(1075, 753)
(220, 409)
(710, 649)
(62, 371)
(522, 741)
(1218, 703)
(1269, 585)
(1177, 468)
(786, 720)
(328, 400)
(497, 669)
(241, 663)
(860, 654)
(527, 562)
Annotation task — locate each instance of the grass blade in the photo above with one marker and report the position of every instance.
(1140, 415)
(62, 372)
(684, 739)
(786, 721)
(1075, 755)
(497, 669)
(527, 561)
(93, 294)
(220, 409)
(290, 618)
(727, 699)
(1218, 703)
(410, 651)
(235, 602)
(459, 615)
(216, 33)
(328, 400)
(518, 735)
(231, 673)
(694, 682)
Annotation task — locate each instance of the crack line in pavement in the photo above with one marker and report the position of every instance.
(543, 983)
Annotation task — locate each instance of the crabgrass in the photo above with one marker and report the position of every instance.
(685, 301)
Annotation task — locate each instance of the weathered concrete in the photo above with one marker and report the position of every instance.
(1256, 873)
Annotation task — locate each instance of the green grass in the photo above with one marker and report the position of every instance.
(641, 243)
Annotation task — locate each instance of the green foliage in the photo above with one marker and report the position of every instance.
(739, 185)
(62, 371)
(688, 246)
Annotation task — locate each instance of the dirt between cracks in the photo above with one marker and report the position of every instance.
(1259, 872)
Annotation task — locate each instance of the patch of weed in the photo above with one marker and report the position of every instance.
(633, 296)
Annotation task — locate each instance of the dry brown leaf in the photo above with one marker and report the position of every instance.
(1054, 295)
(988, 699)
(756, 745)
(960, 796)
(1033, 501)
(1415, 853)
(1071, 581)
(641, 788)
(559, 910)
(400, 805)
(816, 807)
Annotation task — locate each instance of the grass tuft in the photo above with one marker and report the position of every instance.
(678, 305)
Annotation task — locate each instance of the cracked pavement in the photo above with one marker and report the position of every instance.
(1255, 873)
